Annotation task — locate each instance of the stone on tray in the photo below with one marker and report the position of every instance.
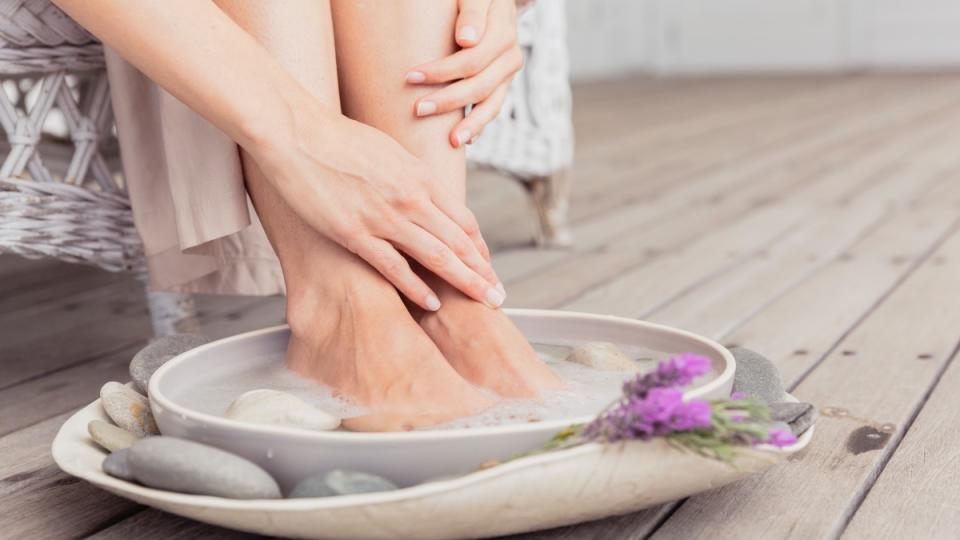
(117, 465)
(157, 353)
(109, 436)
(603, 356)
(756, 376)
(799, 416)
(277, 408)
(340, 482)
(188, 467)
(128, 409)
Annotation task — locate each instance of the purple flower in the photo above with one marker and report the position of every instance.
(660, 412)
(780, 438)
(678, 371)
(738, 396)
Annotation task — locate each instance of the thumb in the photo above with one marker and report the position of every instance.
(471, 22)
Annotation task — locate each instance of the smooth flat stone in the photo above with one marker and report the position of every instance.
(799, 416)
(603, 356)
(756, 376)
(185, 466)
(312, 486)
(347, 482)
(157, 353)
(340, 482)
(277, 408)
(109, 436)
(117, 465)
(128, 409)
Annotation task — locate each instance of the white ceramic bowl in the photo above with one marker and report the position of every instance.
(550, 490)
(412, 457)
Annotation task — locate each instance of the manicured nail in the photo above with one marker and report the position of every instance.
(433, 303)
(494, 297)
(463, 137)
(416, 77)
(500, 288)
(426, 107)
(467, 33)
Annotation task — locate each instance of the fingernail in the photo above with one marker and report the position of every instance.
(494, 297)
(433, 303)
(500, 288)
(463, 137)
(426, 107)
(467, 33)
(416, 77)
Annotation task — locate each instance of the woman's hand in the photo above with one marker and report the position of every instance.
(487, 32)
(352, 183)
(359, 187)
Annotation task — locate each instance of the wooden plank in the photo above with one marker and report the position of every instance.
(717, 307)
(622, 177)
(74, 328)
(156, 525)
(888, 254)
(916, 495)
(577, 275)
(71, 329)
(811, 154)
(867, 388)
(66, 389)
(38, 500)
(802, 309)
(790, 110)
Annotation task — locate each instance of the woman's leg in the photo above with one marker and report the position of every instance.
(376, 44)
(350, 328)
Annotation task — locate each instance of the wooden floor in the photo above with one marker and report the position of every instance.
(813, 219)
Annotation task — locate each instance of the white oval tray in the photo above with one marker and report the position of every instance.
(550, 490)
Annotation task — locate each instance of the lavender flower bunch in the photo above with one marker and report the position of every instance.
(652, 405)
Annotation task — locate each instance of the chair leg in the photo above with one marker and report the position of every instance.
(172, 313)
(550, 200)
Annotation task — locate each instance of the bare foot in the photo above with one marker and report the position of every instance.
(484, 346)
(353, 333)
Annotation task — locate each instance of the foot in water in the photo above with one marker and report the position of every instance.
(353, 333)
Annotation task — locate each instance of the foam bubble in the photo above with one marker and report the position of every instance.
(586, 391)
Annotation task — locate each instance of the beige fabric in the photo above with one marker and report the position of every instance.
(184, 176)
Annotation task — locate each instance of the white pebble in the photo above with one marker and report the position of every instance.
(279, 409)
(603, 356)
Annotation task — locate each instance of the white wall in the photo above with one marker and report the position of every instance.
(609, 37)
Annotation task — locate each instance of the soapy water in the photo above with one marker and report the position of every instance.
(585, 392)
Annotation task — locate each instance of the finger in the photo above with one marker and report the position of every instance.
(436, 257)
(482, 114)
(473, 89)
(463, 217)
(465, 62)
(447, 231)
(471, 22)
(394, 267)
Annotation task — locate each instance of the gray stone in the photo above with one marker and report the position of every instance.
(312, 486)
(799, 416)
(128, 409)
(276, 408)
(188, 467)
(157, 353)
(340, 482)
(603, 356)
(346, 482)
(117, 465)
(110, 436)
(756, 376)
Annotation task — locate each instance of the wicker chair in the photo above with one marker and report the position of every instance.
(62, 194)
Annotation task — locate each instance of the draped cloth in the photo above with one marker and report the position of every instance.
(185, 179)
